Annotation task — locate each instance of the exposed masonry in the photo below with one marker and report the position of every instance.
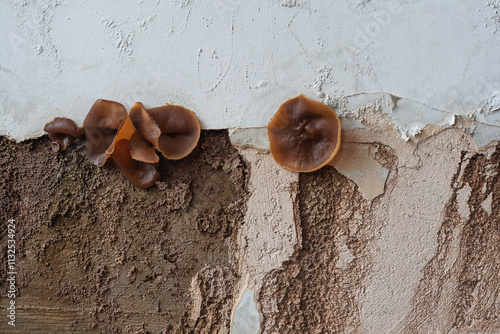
(460, 288)
(320, 252)
(317, 290)
(97, 255)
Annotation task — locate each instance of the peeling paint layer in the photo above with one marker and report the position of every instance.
(460, 287)
(225, 59)
(411, 212)
(318, 290)
(269, 235)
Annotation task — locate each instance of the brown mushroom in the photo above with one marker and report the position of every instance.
(142, 175)
(144, 123)
(145, 139)
(106, 123)
(304, 134)
(180, 130)
(142, 150)
(63, 132)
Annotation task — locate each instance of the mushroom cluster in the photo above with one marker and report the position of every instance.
(130, 139)
(304, 135)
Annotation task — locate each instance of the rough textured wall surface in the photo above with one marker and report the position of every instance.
(460, 285)
(97, 255)
(393, 237)
(317, 290)
(398, 235)
(234, 62)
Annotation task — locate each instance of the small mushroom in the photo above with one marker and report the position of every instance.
(142, 150)
(105, 124)
(304, 134)
(131, 140)
(180, 130)
(63, 132)
(145, 139)
(142, 175)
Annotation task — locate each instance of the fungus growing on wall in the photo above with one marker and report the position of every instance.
(304, 135)
(105, 120)
(142, 175)
(180, 130)
(145, 141)
(131, 140)
(63, 132)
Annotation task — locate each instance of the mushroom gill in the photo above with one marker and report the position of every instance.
(63, 132)
(180, 130)
(304, 134)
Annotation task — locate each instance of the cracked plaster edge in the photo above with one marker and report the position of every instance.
(374, 111)
(366, 110)
(370, 120)
(371, 125)
(378, 111)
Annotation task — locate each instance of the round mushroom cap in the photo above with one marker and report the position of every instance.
(304, 134)
(180, 130)
(63, 132)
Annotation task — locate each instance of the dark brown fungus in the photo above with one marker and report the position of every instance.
(131, 140)
(63, 132)
(180, 130)
(142, 175)
(142, 150)
(304, 134)
(145, 139)
(144, 123)
(106, 123)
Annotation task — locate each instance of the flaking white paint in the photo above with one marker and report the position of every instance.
(234, 62)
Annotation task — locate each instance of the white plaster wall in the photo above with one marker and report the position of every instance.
(234, 62)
